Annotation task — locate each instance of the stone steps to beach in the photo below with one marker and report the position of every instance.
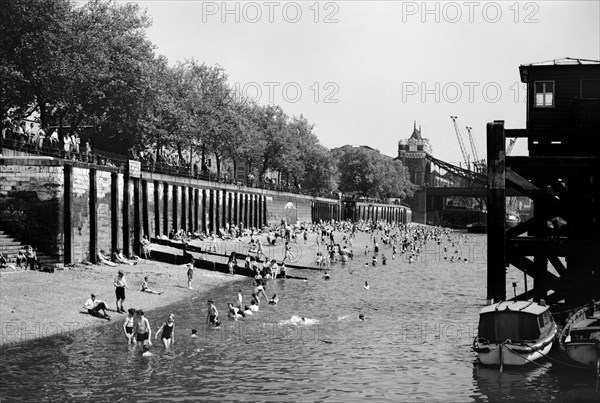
(10, 247)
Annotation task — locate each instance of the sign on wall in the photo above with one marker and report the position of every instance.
(135, 169)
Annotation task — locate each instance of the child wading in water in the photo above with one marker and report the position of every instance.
(168, 332)
(128, 326)
(142, 331)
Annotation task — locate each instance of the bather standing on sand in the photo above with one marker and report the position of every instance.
(190, 274)
(120, 285)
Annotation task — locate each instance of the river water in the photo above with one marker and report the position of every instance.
(415, 345)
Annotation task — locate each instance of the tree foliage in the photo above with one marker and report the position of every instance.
(92, 65)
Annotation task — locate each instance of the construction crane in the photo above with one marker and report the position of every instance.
(463, 150)
(479, 165)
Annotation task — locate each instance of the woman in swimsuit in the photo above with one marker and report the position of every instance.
(168, 332)
(128, 326)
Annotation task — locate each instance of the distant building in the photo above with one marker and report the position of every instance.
(413, 152)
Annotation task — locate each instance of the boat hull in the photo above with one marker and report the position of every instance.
(509, 354)
(514, 354)
(583, 352)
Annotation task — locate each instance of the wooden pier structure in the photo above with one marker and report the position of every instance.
(561, 175)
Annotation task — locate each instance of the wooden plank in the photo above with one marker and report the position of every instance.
(558, 265)
(517, 133)
(528, 246)
(496, 202)
(535, 193)
(528, 266)
(553, 163)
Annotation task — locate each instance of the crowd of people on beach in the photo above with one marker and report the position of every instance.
(396, 239)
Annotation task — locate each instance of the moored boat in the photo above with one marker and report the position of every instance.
(477, 228)
(514, 333)
(580, 338)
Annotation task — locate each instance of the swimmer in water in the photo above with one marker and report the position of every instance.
(361, 317)
(366, 286)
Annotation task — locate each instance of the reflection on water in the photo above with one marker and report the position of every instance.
(415, 344)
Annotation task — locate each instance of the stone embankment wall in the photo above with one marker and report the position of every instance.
(71, 210)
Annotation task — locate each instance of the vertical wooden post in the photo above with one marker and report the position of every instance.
(126, 206)
(137, 217)
(114, 212)
(204, 212)
(145, 212)
(157, 211)
(197, 219)
(93, 216)
(496, 215)
(211, 210)
(165, 204)
(191, 219)
(184, 208)
(67, 214)
(175, 208)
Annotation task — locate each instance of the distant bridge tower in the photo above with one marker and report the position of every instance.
(413, 154)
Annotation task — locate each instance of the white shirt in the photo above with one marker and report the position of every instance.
(90, 303)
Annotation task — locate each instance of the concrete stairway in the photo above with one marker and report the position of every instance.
(9, 247)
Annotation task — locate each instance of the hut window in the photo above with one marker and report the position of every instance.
(544, 94)
(590, 89)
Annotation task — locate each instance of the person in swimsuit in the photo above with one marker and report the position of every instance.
(128, 326)
(212, 316)
(190, 273)
(142, 331)
(167, 331)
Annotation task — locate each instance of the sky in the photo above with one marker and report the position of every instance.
(364, 71)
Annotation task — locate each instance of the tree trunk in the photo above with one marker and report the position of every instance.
(218, 163)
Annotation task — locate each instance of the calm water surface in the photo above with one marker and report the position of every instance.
(414, 346)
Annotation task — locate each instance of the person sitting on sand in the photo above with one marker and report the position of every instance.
(119, 258)
(142, 331)
(31, 256)
(253, 306)
(128, 326)
(104, 259)
(94, 306)
(21, 259)
(326, 276)
(145, 287)
(274, 300)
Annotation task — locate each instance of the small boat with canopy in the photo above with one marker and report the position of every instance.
(514, 333)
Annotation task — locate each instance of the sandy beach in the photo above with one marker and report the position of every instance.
(36, 304)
